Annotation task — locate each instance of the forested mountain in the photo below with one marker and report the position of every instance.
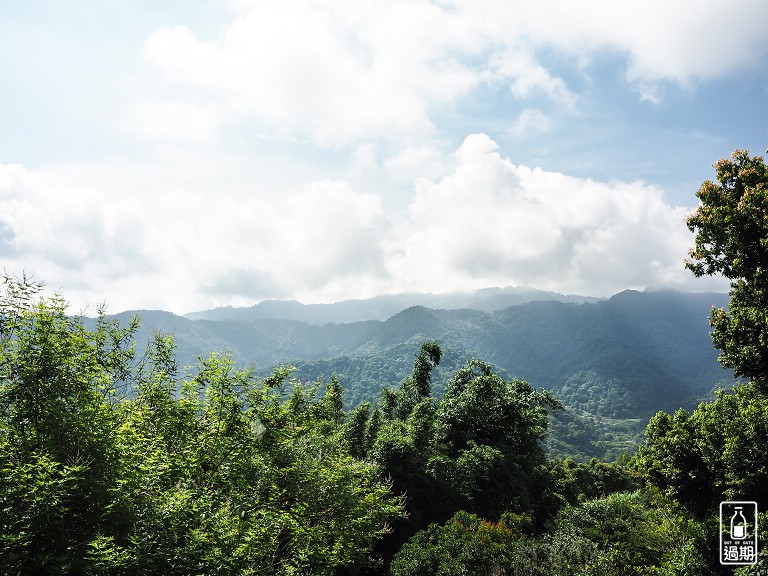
(630, 355)
(613, 363)
(117, 463)
(383, 307)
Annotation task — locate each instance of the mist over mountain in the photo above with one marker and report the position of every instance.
(383, 307)
(613, 362)
(627, 356)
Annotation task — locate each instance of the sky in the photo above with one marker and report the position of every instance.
(183, 155)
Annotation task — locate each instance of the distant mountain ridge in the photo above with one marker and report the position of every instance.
(612, 362)
(383, 307)
(645, 343)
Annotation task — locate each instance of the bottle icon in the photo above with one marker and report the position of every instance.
(738, 525)
(738, 547)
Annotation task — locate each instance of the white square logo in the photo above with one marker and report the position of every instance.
(738, 533)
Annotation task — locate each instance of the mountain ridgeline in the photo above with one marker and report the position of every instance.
(383, 307)
(625, 357)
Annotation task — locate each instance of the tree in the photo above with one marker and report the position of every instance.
(624, 533)
(465, 544)
(731, 226)
(716, 453)
(211, 471)
(419, 385)
(477, 449)
(59, 388)
(355, 430)
(481, 407)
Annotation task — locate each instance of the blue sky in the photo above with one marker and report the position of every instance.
(184, 155)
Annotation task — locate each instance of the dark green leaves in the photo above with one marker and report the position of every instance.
(732, 221)
(113, 464)
(731, 226)
(716, 453)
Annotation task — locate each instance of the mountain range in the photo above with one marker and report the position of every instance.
(383, 307)
(627, 356)
(612, 362)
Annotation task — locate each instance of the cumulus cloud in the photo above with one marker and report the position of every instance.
(171, 244)
(491, 222)
(329, 74)
(682, 43)
(264, 135)
(337, 73)
(149, 235)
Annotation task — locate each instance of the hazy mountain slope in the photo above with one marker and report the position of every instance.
(192, 339)
(613, 362)
(633, 354)
(383, 307)
(267, 342)
(655, 346)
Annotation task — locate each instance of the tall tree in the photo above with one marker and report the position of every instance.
(731, 226)
(419, 385)
(59, 388)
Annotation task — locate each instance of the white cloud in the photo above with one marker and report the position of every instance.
(180, 236)
(92, 231)
(531, 120)
(340, 72)
(262, 133)
(517, 65)
(337, 73)
(491, 222)
(662, 41)
(686, 42)
(325, 73)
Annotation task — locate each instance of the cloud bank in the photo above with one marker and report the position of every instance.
(328, 150)
(168, 243)
(492, 221)
(343, 71)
